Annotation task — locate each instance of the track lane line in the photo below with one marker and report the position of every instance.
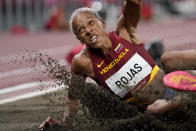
(26, 70)
(23, 86)
(31, 94)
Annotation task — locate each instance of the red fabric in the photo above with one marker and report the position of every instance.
(53, 21)
(147, 11)
(97, 58)
(19, 30)
(73, 52)
(87, 3)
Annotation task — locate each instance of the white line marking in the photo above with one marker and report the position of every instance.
(50, 51)
(32, 94)
(24, 86)
(26, 70)
(16, 72)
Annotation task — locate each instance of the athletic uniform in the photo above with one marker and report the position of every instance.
(125, 68)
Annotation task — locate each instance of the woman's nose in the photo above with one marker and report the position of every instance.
(88, 31)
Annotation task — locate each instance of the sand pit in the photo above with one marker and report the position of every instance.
(100, 110)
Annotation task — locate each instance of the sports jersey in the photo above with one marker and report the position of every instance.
(125, 68)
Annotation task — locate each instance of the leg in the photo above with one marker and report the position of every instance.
(162, 106)
(179, 60)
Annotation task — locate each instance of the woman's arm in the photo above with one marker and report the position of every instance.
(127, 24)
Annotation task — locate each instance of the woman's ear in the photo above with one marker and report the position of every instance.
(103, 23)
(79, 39)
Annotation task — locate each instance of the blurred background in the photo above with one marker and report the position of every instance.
(43, 25)
(45, 15)
(31, 27)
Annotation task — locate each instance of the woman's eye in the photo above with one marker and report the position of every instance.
(91, 22)
(80, 31)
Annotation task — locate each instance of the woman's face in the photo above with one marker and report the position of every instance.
(89, 30)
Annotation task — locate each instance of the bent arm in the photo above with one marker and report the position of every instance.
(71, 108)
(131, 15)
(73, 98)
(127, 24)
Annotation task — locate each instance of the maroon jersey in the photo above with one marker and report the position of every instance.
(125, 68)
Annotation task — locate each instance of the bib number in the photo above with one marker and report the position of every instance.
(129, 75)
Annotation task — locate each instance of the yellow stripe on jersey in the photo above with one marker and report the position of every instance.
(153, 73)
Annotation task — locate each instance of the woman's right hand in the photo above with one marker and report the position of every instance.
(49, 122)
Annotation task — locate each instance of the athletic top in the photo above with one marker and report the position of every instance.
(125, 68)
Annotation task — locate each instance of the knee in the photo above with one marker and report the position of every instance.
(154, 109)
(159, 107)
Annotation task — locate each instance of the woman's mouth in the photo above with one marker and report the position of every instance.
(94, 39)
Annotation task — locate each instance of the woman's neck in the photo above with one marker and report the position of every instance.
(106, 47)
